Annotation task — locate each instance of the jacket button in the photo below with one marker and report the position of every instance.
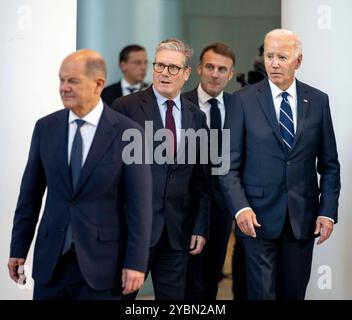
(288, 163)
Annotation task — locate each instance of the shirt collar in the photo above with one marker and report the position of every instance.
(276, 91)
(92, 117)
(161, 99)
(125, 84)
(204, 97)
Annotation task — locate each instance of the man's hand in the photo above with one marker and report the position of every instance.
(132, 280)
(323, 226)
(246, 221)
(13, 265)
(196, 245)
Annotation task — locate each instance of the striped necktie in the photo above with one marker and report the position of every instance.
(286, 122)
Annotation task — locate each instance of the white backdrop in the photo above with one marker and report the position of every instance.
(35, 36)
(325, 28)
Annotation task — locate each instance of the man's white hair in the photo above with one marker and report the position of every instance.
(284, 32)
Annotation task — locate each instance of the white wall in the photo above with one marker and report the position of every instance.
(35, 36)
(325, 28)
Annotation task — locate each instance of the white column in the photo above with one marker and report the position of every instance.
(35, 36)
(324, 27)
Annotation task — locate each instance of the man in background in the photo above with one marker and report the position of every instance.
(133, 62)
(215, 69)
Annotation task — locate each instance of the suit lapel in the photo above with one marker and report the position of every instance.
(265, 100)
(187, 121)
(302, 108)
(151, 110)
(104, 136)
(61, 140)
(228, 110)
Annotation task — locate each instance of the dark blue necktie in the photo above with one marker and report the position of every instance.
(286, 122)
(131, 89)
(75, 168)
(215, 121)
(215, 117)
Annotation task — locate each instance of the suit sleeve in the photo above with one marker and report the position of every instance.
(328, 167)
(201, 193)
(230, 180)
(139, 212)
(29, 202)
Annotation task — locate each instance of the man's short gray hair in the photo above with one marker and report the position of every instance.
(284, 32)
(178, 46)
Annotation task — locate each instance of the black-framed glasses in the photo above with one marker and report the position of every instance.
(171, 68)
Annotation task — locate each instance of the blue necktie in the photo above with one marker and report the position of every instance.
(215, 117)
(286, 122)
(215, 121)
(131, 89)
(75, 168)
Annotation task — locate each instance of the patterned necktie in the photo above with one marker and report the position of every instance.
(75, 168)
(170, 124)
(286, 122)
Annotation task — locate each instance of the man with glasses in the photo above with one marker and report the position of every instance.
(181, 193)
(133, 63)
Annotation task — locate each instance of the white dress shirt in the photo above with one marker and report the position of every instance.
(205, 106)
(125, 84)
(292, 99)
(88, 129)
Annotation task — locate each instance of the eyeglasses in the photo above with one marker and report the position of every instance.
(171, 69)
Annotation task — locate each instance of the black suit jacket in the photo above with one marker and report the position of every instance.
(114, 91)
(106, 238)
(265, 177)
(181, 193)
(229, 109)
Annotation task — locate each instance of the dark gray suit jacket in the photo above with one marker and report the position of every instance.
(181, 192)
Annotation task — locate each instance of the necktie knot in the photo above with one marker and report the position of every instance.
(284, 95)
(131, 89)
(169, 104)
(79, 123)
(213, 102)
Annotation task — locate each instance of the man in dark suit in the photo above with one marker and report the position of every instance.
(181, 195)
(87, 247)
(215, 70)
(133, 63)
(281, 137)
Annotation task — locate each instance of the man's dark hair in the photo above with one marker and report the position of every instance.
(219, 48)
(125, 52)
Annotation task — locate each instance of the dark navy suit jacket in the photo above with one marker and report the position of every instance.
(229, 109)
(265, 177)
(106, 239)
(181, 192)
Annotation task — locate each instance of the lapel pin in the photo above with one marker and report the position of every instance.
(305, 100)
